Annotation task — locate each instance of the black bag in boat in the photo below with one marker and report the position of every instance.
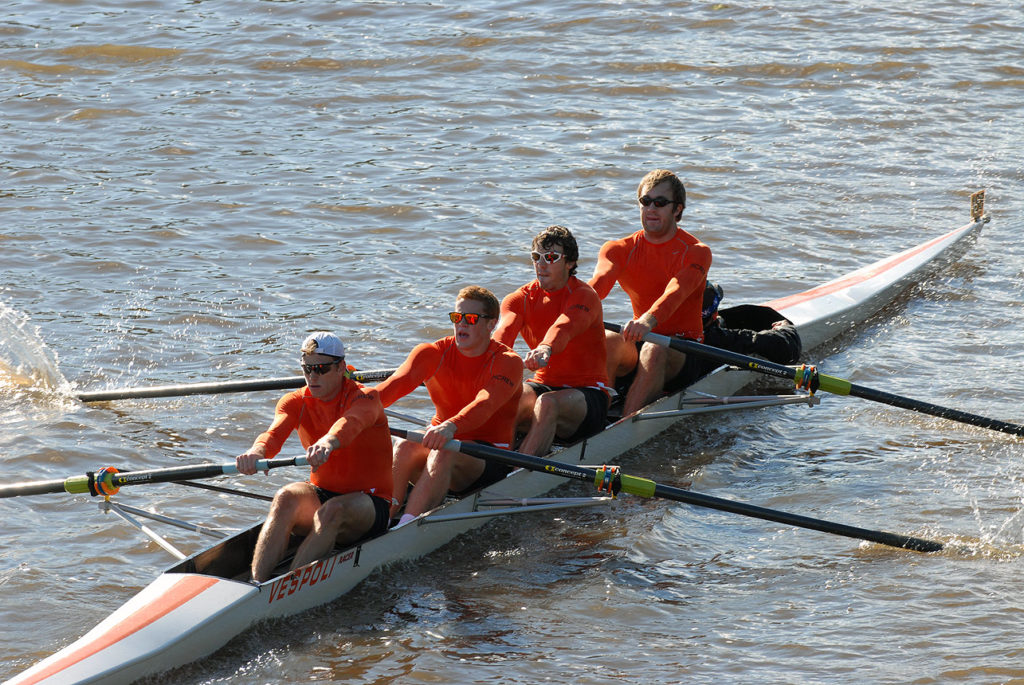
(746, 329)
(753, 329)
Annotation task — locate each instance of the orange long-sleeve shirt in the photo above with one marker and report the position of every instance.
(569, 320)
(356, 418)
(665, 279)
(479, 394)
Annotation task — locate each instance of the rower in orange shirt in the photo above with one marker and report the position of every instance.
(343, 428)
(560, 319)
(663, 269)
(474, 383)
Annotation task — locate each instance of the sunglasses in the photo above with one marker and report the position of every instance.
(549, 257)
(319, 369)
(659, 201)
(471, 319)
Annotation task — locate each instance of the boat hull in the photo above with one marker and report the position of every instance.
(195, 607)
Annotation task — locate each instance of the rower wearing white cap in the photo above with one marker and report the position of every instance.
(343, 428)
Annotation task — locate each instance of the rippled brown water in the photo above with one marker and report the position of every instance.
(189, 188)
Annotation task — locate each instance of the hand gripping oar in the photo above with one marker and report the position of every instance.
(809, 378)
(107, 481)
(609, 479)
(286, 383)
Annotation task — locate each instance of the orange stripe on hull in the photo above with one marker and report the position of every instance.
(853, 279)
(184, 590)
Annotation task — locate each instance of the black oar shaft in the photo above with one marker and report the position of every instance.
(37, 487)
(648, 488)
(881, 537)
(81, 484)
(832, 384)
(935, 410)
(185, 389)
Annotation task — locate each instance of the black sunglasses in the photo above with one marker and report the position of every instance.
(319, 369)
(659, 201)
(471, 319)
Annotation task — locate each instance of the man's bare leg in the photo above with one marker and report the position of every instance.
(292, 510)
(445, 470)
(655, 365)
(559, 412)
(340, 520)
(622, 356)
(410, 459)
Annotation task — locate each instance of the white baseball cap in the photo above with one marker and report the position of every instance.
(326, 343)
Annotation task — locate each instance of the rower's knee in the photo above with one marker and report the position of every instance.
(330, 515)
(621, 355)
(289, 498)
(337, 512)
(440, 460)
(527, 402)
(409, 455)
(546, 407)
(656, 359)
(653, 354)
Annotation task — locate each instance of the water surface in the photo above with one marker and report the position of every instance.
(190, 188)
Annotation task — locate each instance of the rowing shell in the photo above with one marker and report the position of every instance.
(198, 605)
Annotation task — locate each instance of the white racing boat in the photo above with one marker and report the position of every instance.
(196, 606)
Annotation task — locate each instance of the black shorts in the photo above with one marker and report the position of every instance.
(694, 366)
(493, 472)
(381, 507)
(597, 411)
(747, 329)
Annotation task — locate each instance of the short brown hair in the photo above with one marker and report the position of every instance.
(561, 236)
(482, 295)
(657, 176)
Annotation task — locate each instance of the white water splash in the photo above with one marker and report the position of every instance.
(31, 384)
(25, 360)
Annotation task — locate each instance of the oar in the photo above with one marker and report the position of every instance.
(610, 479)
(107, 481)
(808, 377)
(285, 383)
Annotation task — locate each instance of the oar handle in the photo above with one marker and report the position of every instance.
(725, 356)
(505, 457)
(267, 464)
(509, 458)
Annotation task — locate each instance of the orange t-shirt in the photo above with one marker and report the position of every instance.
(356, 418)
(666, 279)
(570, 320)
(479, 394)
